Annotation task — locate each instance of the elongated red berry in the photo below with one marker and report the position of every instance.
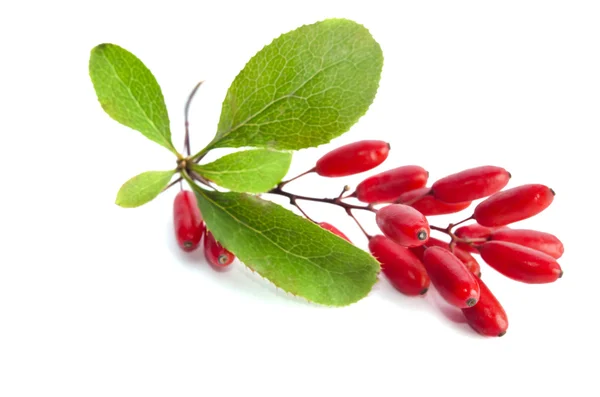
(400, 266)
(544, 242)
(455, 283)
(471, 184)
(389, 185)
(473, 232)
(334, 230)
(187, 220)
(215, 253)
(403, 224)
(428, 205)
(353, 158)
(467, 259)
(520, 263)
(487, 317)
(513, 205)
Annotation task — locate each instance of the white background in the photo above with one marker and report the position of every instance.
(96, 300)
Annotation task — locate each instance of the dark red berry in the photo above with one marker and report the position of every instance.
(487, 317)
(334, 230)
(187, 219)
(428, 205)
(455, 283)
(513, 205)
(389, 185)
(544, 242)
(401, 267)
(403, 224)
(467, 259)
(471, 184)
(473, 232)
(520, 263)
(353, 158)
(215, 253)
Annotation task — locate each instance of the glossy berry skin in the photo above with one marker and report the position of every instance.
(474, 231)
(389, 185)
(540, 241)
(467, 259)
(400, 266)
(487, 317)
(513, 205)
(520, 263)
(403, 224)
(215, 253)
(471, 184)
(428, 205)
(334, 230)
(352, 159)
(188, 222)
(455, 283)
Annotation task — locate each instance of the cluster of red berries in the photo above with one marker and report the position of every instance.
(412, 260)
(190, 229)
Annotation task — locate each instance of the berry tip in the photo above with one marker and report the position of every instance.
(501, 334)
(424, 291)
(471, 302)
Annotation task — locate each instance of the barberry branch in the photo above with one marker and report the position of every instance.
(333, 201)
(283, 183)
(186, 147)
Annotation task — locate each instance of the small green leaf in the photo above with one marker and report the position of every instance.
(129, 93)
(143, 188)
(305, 88)
(290, 251)
(252, 171)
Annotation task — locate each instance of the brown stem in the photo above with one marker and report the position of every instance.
(334, 201)
(186, 146)
(283, 183)
(172, 183)
(362, 229)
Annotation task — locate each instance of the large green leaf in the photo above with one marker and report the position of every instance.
(290, 251)
(252, 171)
(129, 93)
(305, 88)
(143, 188)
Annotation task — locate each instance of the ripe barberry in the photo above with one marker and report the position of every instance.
(520, 263)
(423, 201)
(467, 259)
(513, 205)
(540, 241)
(455, 283)
(403, 224)
(471, 184)
(334, 230)
(215, 253)
(187, 220)
(400, 266)
(487, 317)
(389, 185)
(353, 158)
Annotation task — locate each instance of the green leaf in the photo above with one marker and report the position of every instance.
(129, 93)
(305, 88)
(293, 253)
(252, 171)
(143, 188)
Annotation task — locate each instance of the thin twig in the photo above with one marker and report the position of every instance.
(187, 124)
(283, 183)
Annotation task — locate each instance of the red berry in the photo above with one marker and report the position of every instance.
(352, 159)
(488, 316)
(471, 184)
(389, 185)
(401, 267)
(455, 283)
(426, 204)
(403, 224)
(520, 263)
(187, 219)
(544, 242)
(466, 258)
(334, 230)
(513, 205)
(474, 231)
(215, 253)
